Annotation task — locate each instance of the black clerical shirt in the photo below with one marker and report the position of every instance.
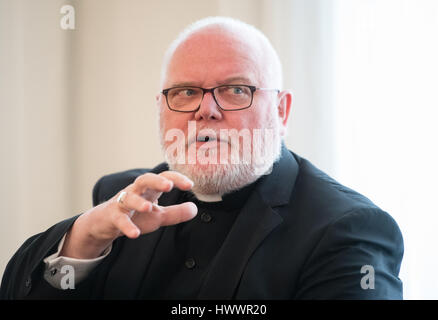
(185, 252)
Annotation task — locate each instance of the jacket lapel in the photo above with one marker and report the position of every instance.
(256, 221)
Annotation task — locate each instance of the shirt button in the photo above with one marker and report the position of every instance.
(205, 217)
(190, 263)
(53, 272)
(28, 283)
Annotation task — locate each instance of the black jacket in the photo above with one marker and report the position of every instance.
(300, 235)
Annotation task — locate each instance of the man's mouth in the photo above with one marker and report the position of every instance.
(205, 138)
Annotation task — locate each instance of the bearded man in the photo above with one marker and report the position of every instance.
(232, 214)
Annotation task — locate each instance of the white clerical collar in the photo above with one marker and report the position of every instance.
(208, 197)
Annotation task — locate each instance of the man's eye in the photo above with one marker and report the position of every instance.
(237, 90)
(188, 92)
(183, 93)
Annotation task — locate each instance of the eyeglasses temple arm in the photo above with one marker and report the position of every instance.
(267, 89)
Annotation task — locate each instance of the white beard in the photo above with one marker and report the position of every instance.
(221, 178)
(217, 179)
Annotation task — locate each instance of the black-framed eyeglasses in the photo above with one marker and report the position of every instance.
(228, 97)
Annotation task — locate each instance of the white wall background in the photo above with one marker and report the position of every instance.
(77, 104)
(386, 108)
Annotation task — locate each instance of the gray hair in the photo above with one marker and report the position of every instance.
(235, 27)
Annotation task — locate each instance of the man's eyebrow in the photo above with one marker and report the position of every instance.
(235, 80)
(184, 84)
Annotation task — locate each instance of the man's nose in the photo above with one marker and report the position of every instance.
(208, 110)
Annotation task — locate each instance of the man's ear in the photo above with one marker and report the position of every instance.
(284, 107)
(159, 100)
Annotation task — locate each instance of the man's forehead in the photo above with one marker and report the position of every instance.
(212, 57)
(211, 73)
(210, 45)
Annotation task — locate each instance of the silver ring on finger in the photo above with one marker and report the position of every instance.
(120, 200)
(121, 204)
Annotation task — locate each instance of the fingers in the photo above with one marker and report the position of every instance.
(124, 223)
(140, 198)
(178, 213)
(165, 216)
(180, 180)
(129, 204)
(163, 182)
(132, 201)
(130, 214)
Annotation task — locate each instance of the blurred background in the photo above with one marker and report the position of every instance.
(80, 103)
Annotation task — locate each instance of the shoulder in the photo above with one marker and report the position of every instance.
(108, 185)
(359, 241)
(318, 196)
(325, 205)
(344, 231)
(312, 180)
